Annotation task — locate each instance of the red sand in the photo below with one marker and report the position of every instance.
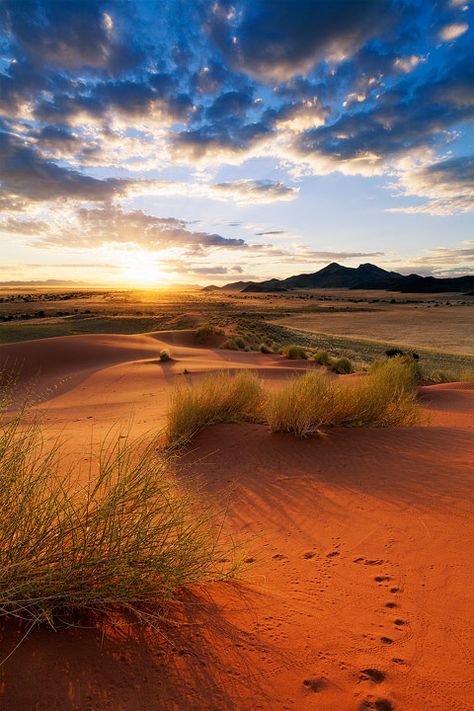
(358, 592)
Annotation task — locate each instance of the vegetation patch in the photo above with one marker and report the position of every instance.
(313, 401)
(220, 397)
(126, 540)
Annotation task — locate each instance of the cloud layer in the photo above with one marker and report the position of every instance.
(101, 100)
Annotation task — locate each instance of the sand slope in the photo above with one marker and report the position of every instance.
(357, 592)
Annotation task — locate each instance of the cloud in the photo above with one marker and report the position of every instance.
(403, 119)
(88, 228)
(453, 31)
(276, 40)
(253, 191)
(26, 175)
(73, 34)
(447, 187)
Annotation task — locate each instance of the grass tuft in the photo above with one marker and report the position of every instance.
(294, 352)
(308, 403)
(165, 356)
(127, 540)
(342, 366)
(220, 397)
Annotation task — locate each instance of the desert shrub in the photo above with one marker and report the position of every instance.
(230, 345)
(203, 333)
(164, 356)
(313, 401)
(294, 352)
(343, 366)
(220, 397)
(412, 366)
(322, 357)
(240, 342)
(126, 540)
(264, 348)
(392, 352)
(300, 404)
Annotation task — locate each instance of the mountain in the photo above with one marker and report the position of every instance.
(365, 276)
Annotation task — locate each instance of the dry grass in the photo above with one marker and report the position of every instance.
(314, 400)
(127, 540)
(220, 397)
(294, 352)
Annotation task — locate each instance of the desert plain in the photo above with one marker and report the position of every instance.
(355, 588)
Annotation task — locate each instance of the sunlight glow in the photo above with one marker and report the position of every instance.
(142, 271)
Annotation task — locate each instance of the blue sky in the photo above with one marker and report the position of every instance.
(192, 141)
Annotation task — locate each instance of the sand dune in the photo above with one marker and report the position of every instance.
(357, 593)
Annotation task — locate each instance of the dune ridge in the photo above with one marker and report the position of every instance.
(356, 593)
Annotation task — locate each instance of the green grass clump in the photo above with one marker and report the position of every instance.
(220, 397)
(165, 356)
(204, 333)
(230, 345)
(342, 366)
(294, 352)
(301, 405)
(322, 357)
(310, 402)
(125, 540)
(264, 348)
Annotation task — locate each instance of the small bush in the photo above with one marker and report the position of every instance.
(230, 345)
(299, 405)
(220, 397)
(165, 356)
(392, 352)
(264, 348)
(343, 366)
(203, 333)
(322, 357)
(313, 401)
(127, 540)
(294, 352)
(240, 342)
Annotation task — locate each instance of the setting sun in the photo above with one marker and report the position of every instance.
(142, 271)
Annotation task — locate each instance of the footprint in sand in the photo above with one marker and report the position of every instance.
(374, 675)
(377, 704)
(314, 685)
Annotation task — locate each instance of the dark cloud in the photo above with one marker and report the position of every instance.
(74, 34)
(26, 175)
(279, 39)
(403, 118)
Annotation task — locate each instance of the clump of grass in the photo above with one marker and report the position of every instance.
(230, 345)
(322, 357)
(165, 356)
(220, 397)
(301, 405)
(127, 540)
(310, 402)
(294, 352)
(342, 366)
(264, 348)
(204, 332)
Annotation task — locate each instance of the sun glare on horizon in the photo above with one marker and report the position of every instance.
(141, 271)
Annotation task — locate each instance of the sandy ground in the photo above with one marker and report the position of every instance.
(358, 591)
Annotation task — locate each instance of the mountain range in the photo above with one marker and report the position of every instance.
(365, 276)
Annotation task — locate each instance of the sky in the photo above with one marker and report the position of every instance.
(153, 142)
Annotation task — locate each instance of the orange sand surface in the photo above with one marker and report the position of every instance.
(358, 591)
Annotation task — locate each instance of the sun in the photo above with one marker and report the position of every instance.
(141, 270)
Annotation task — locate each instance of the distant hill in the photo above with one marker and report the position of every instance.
(365, 276)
